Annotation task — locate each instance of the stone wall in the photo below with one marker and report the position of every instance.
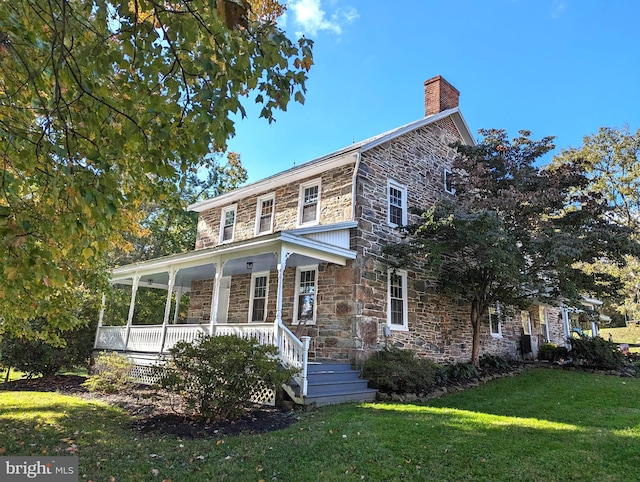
(335, 206)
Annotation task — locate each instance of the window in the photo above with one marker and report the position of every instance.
(227, 224)
(448, 184)
(397, 200)
(264, 214)
(305, 300)
(544, 326)
(397, 295)
(258, 299)
(495, 325)
(309, 203)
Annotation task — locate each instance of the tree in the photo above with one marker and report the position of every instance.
(611, 159)
(105, 106)
(513, 232)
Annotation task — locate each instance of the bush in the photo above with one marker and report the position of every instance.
(551, 352)
(216, 375)
(495, 362)
(393, 370)
(596, 353)
(111, 373)
(460, 371)
(37, 357)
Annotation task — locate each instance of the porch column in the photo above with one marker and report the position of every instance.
(282, 258)
(167, 307)
(100, 319)
(176, 311)
(215, 295)
(134, 290)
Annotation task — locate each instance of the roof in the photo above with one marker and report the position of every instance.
(338, 158)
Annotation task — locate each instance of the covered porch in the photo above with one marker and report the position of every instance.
(225, 290)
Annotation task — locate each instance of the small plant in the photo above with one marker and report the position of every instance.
(216, 375)
(552, 352)
(461, 371)
(494, 362)
(111, 373)
(394, 370)
(596, 353)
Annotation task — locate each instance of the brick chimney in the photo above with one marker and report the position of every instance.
(439, 95)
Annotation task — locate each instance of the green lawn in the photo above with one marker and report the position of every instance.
(624, 334)
(543, 425)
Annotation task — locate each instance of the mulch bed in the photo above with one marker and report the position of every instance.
(153, 414)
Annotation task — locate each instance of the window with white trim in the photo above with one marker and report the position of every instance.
(397, 307)
(304, 303)
(526, 322)
(396, 204)
(495, 323)
(227, 223)
(309, 203)
(448, 183)
(544, 325)
(259, 297)
(264, 214)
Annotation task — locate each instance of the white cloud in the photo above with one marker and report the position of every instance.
(559, 7)
(310, 17)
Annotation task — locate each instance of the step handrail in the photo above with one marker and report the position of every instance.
(295, 352)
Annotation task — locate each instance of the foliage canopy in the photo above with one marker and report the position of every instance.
(106, 105)
(514, 232)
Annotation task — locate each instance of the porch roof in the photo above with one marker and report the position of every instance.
(261, 252)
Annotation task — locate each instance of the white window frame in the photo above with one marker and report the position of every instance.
(402, 274)
(267, 197)
(254, 276)
(543, 314)
(223, 215)
(494, 310)
(447, 189)
(296, 296)
(306, 185)
(391, 184)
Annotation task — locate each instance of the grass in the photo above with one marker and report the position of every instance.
(543, 425)
(624, 334)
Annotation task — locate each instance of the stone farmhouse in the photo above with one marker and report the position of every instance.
(295, 260)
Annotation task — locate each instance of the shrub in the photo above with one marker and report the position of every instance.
(216, 375)
(394, 370)
(460, 371)
(551, 352)
(37, 357)
(111, 373)
(495, 362)
(596, 353)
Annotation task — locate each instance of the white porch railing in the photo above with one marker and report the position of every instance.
(149, 339)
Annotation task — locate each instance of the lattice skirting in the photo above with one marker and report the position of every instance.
(145, 372)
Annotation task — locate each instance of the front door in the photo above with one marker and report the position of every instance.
(223, 299)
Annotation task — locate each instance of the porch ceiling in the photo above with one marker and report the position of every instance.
(251, 256)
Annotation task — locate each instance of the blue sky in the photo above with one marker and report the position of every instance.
(554, 67)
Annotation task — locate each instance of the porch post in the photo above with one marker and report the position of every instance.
(100, 319)
(176, 311)
(167, 307)
(215, 295)
(282, 257)
(134, 290)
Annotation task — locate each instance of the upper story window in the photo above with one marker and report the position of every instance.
(264, 214)
(305, 299)
(448, 182)
(397, 204)
(495, 324)
(397, 309)
(227, 223)
(309, 203)
(258, 299)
